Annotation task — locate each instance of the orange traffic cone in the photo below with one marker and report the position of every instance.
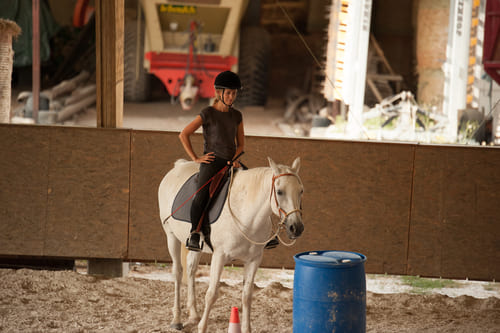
(234, 321)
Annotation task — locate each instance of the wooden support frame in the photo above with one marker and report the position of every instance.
(109, 62)
(35, 72)
(109, 87)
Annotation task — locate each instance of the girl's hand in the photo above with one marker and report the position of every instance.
(207, 158)
(237, 164)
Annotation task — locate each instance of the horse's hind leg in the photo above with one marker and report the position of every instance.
(174, 248)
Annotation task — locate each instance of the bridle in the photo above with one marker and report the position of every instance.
(283, 215)
(280, 210)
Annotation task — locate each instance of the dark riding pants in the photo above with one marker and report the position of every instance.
(201, 199)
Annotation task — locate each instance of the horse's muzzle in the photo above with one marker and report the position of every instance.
(295, 229)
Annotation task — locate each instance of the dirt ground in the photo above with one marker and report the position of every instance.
(67, 301)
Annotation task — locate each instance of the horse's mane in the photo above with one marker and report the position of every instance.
(254, 174)
(180, 161)
(259, 171)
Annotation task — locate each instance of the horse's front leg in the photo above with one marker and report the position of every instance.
(216, 266)
(174, 248)
(193, 259)
(250, 270)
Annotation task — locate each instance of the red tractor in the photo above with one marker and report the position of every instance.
(186, 44)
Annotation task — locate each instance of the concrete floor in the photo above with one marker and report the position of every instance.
(162, 115)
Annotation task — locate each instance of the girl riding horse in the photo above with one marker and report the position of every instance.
(224, 140)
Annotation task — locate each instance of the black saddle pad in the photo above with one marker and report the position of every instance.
(183, 213)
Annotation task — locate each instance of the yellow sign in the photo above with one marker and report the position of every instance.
(178, 9)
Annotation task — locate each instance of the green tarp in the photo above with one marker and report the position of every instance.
(20, 12)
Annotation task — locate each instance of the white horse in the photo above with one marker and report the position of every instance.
(241, 232)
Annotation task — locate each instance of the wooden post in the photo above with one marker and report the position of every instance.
(35, 11)
(109, 88)
(109, 62)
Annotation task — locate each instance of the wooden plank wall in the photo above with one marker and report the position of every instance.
(455, 220)
(64, 192)
(412, 209)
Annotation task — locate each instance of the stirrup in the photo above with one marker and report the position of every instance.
(193, 243)
(272, 243)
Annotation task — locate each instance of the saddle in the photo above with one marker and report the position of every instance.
(181, 208)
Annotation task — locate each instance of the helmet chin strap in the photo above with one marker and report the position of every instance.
(222, 98)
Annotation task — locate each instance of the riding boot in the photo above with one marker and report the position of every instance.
(205, 230)
(193, 242)
(272, 243)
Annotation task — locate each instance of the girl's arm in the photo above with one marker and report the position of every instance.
(240, 142)
(184, 136)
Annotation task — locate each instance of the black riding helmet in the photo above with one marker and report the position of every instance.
(227, 80)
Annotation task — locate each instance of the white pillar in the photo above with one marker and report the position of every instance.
(346, 57)
(457, 61)
(357, 54)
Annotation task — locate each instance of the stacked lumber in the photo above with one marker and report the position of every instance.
(59, 103)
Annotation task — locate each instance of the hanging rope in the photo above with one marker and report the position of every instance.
(320, 65)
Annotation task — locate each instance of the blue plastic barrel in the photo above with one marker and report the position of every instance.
(329, 292)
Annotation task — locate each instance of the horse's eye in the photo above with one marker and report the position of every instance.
(280, 192)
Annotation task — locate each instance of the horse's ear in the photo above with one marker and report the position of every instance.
(273, 165)
(296, 165)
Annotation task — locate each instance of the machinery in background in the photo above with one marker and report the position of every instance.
(185, 45)
(470, 112)
(346, 59)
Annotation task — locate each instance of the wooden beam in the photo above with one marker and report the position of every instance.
(109, 93)
(285, 4)
(385, 77)
(381, 54)
(109, 62)
(35, 10)
(374, 89)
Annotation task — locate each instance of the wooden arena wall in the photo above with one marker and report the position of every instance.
(411, 209)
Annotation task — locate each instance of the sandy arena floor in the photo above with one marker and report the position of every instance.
(66, 301)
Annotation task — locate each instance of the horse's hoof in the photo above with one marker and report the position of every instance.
(193, 321)
(177, 326)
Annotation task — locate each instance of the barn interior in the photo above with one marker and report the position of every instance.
(396, 137)
(404, 95)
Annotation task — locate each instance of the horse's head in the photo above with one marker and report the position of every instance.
(287, 191)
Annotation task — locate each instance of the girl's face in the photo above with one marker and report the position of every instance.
(229, 95)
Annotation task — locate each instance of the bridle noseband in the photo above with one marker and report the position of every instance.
(281, 210)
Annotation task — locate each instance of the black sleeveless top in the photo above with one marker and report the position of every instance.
(220, 130)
